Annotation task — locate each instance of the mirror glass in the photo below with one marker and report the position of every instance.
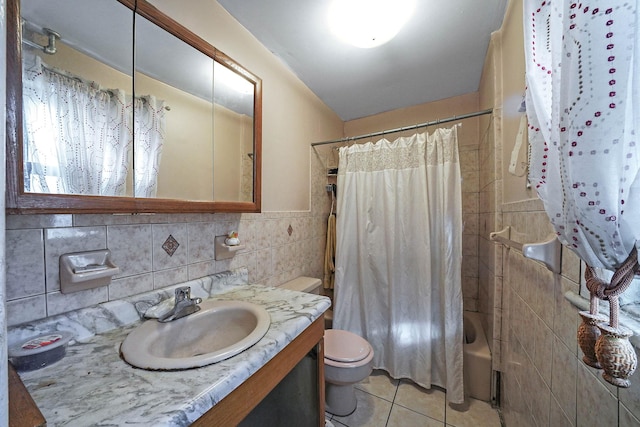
(76, 94)
(174, 124)
(233, 133)
(173, 117)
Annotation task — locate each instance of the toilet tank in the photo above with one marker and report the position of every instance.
(310, 285)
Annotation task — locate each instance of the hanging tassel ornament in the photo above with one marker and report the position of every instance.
(588, 331)
(613, 351)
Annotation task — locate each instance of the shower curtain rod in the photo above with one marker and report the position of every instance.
(420, 125)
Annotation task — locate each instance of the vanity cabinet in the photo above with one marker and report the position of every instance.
(234, 408)
(284, 370)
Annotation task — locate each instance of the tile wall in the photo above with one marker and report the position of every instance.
(470, 217)
(490, 220)
(35, 243)
(545, 382)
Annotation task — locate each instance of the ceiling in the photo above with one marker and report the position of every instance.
(438, 54)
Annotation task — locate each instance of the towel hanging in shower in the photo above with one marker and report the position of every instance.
(330, 253)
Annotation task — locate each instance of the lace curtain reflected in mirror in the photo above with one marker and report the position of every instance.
(77, 136)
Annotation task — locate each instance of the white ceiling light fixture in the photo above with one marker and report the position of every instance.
(368, 23)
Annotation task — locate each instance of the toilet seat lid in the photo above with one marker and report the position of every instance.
(345, 346)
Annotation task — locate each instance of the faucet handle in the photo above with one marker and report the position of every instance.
(183, 293)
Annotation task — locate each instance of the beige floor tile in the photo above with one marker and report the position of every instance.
(426, 402)
(403, 417)
(380, 384)
(371, 411)
(474, 413)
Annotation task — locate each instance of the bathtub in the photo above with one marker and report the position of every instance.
(477, 358)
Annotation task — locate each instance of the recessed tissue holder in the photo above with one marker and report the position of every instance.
(86, 270)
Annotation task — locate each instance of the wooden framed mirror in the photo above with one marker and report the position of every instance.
(126, 113)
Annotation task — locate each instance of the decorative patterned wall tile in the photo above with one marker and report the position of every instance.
(60, 241)
(161, 259)
(25, 263)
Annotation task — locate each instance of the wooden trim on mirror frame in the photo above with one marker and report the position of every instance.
(19, 202)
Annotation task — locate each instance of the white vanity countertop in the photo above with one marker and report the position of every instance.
(92, 385)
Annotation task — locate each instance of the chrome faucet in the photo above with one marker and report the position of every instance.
(184, 305)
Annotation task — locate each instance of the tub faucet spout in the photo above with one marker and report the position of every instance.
(184, 305)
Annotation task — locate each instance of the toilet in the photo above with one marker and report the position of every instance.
(348, 358)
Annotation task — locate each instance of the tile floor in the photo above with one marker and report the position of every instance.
(385, 402)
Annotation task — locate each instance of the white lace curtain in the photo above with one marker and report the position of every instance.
(398, 259)
(583, 105)
(149, 126)
(77, 136)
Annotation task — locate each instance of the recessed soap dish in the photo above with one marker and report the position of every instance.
(224, 251)
(86, 270)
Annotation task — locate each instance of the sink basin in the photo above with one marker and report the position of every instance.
(220, 329)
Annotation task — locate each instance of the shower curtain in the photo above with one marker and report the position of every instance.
(398, 257)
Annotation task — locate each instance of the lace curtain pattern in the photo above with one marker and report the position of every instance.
(149, 135)
(398, 255)
(76, 138)
(583, 106)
